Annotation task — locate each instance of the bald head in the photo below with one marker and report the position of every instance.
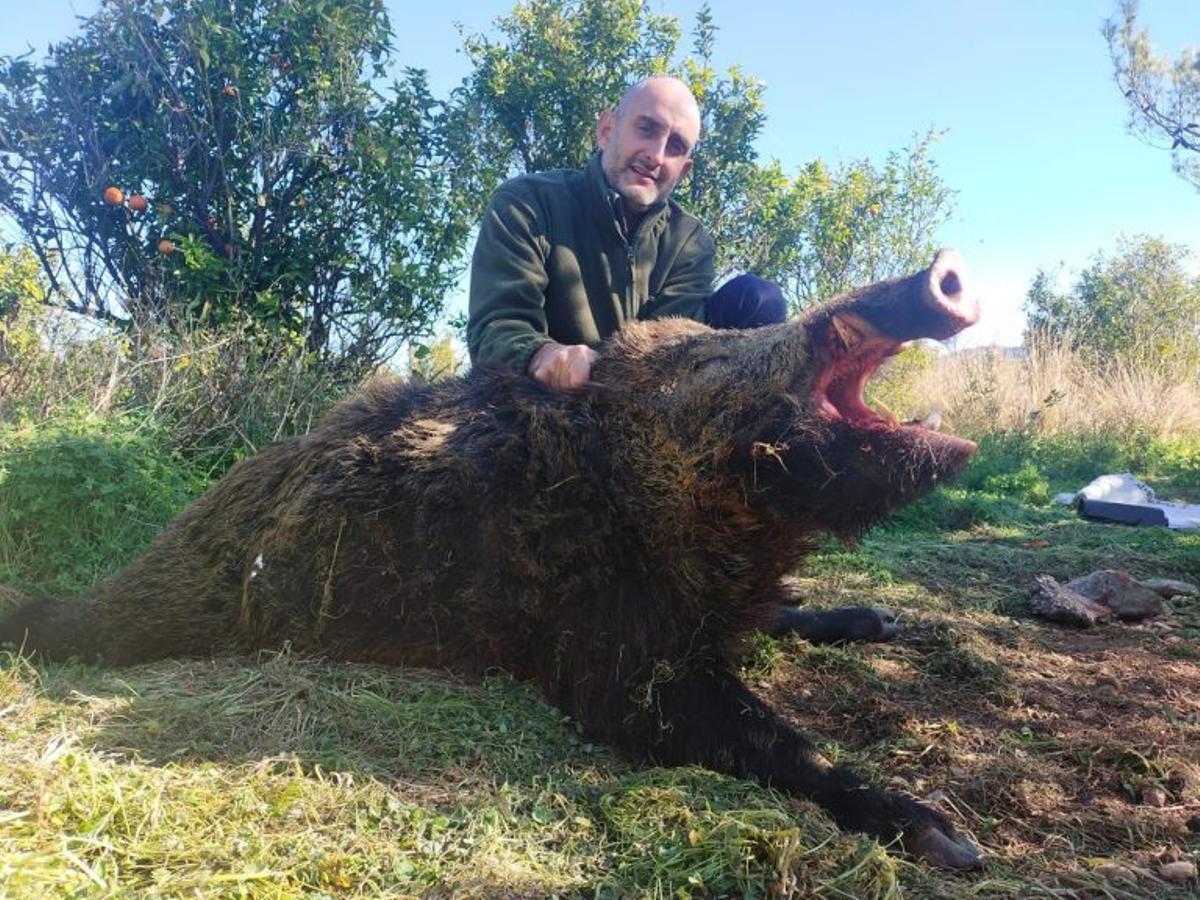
(666, 89)
(646, 141)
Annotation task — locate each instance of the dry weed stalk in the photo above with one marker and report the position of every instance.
(1056, 390)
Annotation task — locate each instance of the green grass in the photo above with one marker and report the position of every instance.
(81, 496)
(289, 777)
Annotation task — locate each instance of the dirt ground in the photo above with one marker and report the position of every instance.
(1066, 752)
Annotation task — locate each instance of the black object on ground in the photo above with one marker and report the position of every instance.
(1126, 513)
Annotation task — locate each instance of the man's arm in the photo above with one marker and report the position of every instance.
(506, 319)
(688, 283)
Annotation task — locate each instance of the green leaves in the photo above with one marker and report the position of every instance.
(1138, 305)
(830, 230)
(540, 84)
(78, 497)
(299, 196)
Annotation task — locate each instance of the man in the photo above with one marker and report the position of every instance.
(565, 258)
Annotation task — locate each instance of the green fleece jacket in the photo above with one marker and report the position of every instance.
(553, 262)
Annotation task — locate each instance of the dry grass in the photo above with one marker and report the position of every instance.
(1056, 391)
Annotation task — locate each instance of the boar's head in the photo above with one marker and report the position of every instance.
(781, 409)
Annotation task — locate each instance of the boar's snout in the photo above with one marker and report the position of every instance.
(937, 303)
(950, 297)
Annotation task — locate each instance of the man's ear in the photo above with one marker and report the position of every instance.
(687, 167)
(604, 127)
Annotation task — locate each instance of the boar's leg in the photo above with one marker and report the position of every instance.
(847, 623)
(708, 717)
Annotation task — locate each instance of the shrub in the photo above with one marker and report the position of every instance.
(1054, 390)
(214, 396)
(81, 496)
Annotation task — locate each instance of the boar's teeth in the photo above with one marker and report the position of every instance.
(933, 420)
(884, 413)
(847, 333)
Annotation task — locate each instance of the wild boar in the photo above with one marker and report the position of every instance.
(615, 545)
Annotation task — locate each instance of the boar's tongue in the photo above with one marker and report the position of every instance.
(861, 330)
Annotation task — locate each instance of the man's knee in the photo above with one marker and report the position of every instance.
(746, 301)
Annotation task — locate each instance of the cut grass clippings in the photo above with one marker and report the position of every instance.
(287, 777)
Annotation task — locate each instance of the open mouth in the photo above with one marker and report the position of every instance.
(856, 337)
(838, 391)
(857, 352)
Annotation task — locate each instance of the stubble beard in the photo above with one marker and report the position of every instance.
(637, 195)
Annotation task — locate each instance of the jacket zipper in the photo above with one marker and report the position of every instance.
(630, 252)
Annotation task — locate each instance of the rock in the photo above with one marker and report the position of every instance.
(1153, 795)
(1115, 872)
(1126, 597)
(1169, 587)
(1184, 870)
(1051, 600)
(1193, 824)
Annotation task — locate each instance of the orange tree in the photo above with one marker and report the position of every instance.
(214, 161)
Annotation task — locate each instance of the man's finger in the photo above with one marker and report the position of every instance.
(580, 367)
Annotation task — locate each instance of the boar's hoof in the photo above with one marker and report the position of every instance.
(943, 849)
(878, 624)
(927, 834)
(848, 623)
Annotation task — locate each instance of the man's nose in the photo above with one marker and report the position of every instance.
(656, 149)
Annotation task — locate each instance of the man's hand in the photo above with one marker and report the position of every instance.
(562, 366)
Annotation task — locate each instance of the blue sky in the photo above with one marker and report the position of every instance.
(1035, 142)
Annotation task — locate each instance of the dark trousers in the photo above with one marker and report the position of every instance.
(746, 301)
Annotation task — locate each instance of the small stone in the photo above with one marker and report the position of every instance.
(1193, 824)
(1114, 872)
(1169, 587)
(1153, 795)
(1053, 601)
(1184, 870)
(1118, 591)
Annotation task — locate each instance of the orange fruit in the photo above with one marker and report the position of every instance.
(138, 203)
(229, 90)
(114, 196)
(165, 246)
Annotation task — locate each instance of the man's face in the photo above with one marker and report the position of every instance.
(646, 144)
